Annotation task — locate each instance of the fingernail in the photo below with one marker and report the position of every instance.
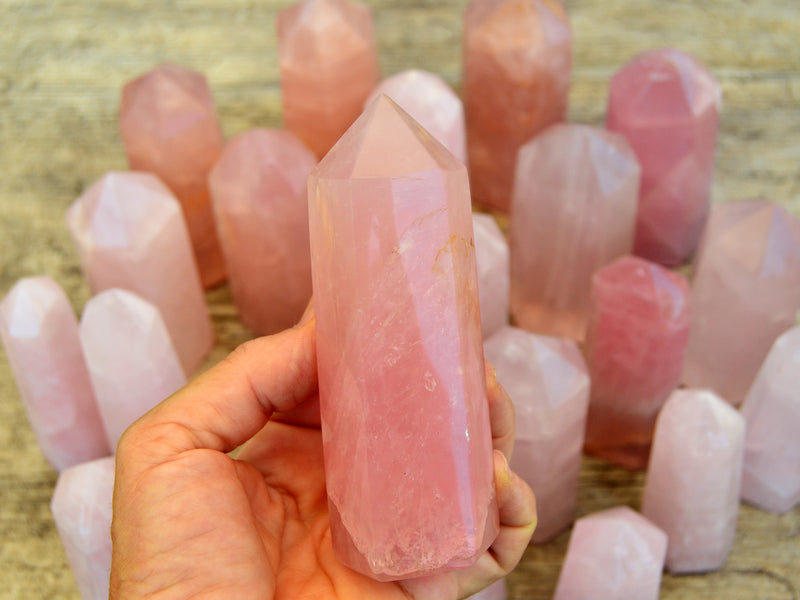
(506, 472)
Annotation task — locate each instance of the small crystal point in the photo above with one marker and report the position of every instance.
(491, 256)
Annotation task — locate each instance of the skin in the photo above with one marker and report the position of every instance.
(191, 521)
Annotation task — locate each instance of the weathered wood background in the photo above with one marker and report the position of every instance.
(62, 65)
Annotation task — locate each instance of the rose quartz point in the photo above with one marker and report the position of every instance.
(667, 105)
(694, 478)
(496, 591)
(40, 335)
(81, 508)
(408, 449)
(517, 68)
(130, 234)
(548, 383)
(491, 256)
(260, 200)
(636, 342)
(574, 210)
(329, 65)
(745, 293)
(613, 555)
(169, 127)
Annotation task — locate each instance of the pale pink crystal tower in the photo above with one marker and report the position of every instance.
(130, 234)
(771, 477)
(574, 210)
(408, 449)
(329, 66)
(667, 106)
(260, 198)
(496, 591)
(615, 554)
(40, 335)
(517, 67)
(694, 477)
(636, 342)
(170, 128)
(548, 383)
(745, 293)
(491, 257)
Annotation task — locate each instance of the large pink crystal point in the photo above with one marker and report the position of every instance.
(548, 383)
(615, 554)
(408, 449)
(636, 343)
(132, 362)
(517, 67)
(170, 128)
(745, 293)
(329, 65)
(260, 198)
(574, 210)
(81, 508)
(432, 103)
(491, 256)
(40, 335)
(130, 234)
(694, 477)
(771, 476)
(667, 105)
(496, 591)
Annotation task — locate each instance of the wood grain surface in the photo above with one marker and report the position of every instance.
(62, 65)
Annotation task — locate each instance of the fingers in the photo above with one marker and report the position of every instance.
(501, 413)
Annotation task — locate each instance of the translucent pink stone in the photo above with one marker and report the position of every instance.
(130, 234)
(81, 508)
(405, 427)
(517, 67)
(132, 362)
(432, 103)
(694, 477)
(636, 343)
(771, 477)
(496, 591)
(169, 127)
(491, 256)
(329, 66)
(615, 554)
(574, 211)
(261, 202)
(667, 105)
(548, 383)
(745, 293)
(40, 335)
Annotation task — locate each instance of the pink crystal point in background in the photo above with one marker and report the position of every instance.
(408, 449)
(574, 211)
(517, 68)
(40, 334)
(694, 477)
(491, 256)
(612, 555)
(169, 127)
(496, 591)
(667, 105)
(771, 476)
(548, 383)
(81, 508)
(745, 293)
(636, 343)
(259, 192)
(130, 234)
(432, 103)
(329, 66)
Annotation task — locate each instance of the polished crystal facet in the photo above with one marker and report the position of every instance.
(491, 256)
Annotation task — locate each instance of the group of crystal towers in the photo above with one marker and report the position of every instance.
(606, 331)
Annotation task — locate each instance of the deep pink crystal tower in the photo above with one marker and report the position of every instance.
(574, 210)
(40, 335)
(260, 199)
(636, 343)
(745, 293)
(170, 128)
(517, 68)
(667, 106)
(408, 449)
(491, 257)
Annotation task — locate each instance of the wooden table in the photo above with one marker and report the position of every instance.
(62, 65)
